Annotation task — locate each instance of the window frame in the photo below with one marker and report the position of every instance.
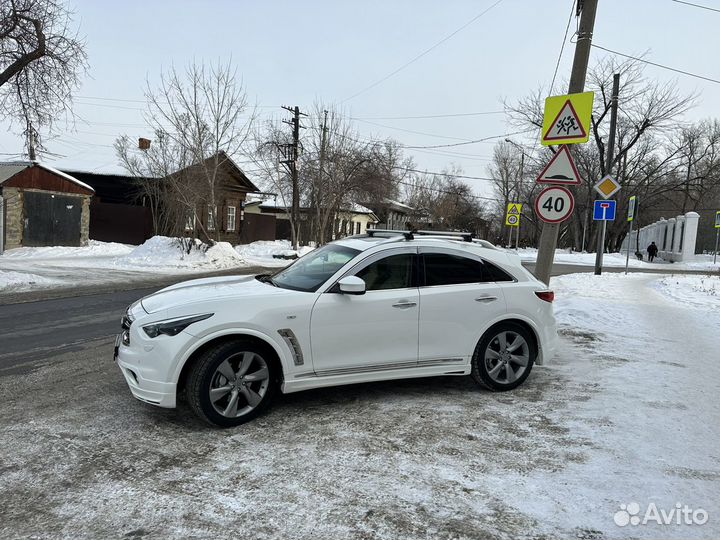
(211, 225)
(370, 259)
(456, 253)
(234, 219)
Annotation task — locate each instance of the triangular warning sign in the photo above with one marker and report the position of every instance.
(513, 209)
(560, 170)
(566, 125)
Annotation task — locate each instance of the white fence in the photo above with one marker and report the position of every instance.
(674, 237)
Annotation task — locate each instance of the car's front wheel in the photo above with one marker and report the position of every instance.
(231, 383)
(504, 357)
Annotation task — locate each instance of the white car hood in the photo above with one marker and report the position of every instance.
(200, 290)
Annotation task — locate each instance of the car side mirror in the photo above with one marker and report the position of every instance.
(352, 285)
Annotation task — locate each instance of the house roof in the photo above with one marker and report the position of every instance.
(233, 170)
(10, 169)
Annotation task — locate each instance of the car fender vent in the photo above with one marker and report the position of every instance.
(292, 342)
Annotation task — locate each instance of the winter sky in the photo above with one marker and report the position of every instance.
(297, 53)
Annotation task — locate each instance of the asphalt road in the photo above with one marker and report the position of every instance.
(32, 332)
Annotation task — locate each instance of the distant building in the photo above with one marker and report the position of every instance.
(42, 206)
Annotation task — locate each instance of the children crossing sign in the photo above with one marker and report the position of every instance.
(567, 119)
(512, 216)
(717, 220)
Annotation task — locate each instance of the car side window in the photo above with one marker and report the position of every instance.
(446, 269)
(393, 272)
(493, 273)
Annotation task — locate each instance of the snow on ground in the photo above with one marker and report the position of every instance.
(627, 413)
(565, 256)
(262, 251)
(104, 262)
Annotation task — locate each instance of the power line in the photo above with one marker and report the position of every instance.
(424, 116)
(657, 65)
(419, 56)
(562, 47)
(696, 5)
(412, 131)
(484, 139)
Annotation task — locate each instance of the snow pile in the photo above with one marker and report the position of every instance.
(263, 252)
(94, 248)
(162, 251)
(11, 281)
(568, 256)
(696, 291)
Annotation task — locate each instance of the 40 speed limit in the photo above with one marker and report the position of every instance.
(554, 204)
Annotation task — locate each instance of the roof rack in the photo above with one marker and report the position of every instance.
(410, 235)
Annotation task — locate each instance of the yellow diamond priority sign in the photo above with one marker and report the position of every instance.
(607, 186)
(567, 119)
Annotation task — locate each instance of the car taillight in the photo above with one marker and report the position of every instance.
(548, 296)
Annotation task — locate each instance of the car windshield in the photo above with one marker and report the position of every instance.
(309, 272)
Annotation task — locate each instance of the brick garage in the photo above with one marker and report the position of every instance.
(43, 206)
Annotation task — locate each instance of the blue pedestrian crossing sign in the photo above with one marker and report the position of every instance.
(604, 210)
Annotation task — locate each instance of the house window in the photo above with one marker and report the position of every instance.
(357, 228)
(231, 219)
(211, 218)
(190, 221)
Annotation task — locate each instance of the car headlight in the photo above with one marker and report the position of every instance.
(174, 327)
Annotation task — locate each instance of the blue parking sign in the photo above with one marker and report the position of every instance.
(604, 210)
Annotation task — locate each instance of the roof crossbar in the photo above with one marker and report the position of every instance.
(409, 235)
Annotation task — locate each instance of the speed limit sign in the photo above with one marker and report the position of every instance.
(554, 204)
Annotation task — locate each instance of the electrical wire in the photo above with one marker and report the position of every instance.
(562, 47)
(424, 116)
(419, 56)
(657, 65)
(696, 5)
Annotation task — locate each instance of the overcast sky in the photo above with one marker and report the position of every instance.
(296, 53)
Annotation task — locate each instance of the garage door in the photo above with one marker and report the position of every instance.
(51, 220)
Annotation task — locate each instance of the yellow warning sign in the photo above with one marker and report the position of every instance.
(567, 119)
(512, 216)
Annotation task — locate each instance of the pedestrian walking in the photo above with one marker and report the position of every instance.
(652, 251)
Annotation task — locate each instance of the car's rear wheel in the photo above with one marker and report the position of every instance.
(231, 383)
(504, 357)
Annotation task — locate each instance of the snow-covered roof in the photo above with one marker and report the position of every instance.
(398, 204)
(8, 170)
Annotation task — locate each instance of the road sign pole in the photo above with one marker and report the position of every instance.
(600, 249)
(627, 257)
(517, 236)
(549, 234)
(717, 236)
(510, 237)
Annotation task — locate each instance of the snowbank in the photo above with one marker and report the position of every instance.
(566, 256)
(161, 252)
(262, 252)
(93, 249)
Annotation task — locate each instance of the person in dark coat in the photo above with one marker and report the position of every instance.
(652, 251)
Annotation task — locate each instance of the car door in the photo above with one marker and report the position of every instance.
(375, 330)
(457, 298)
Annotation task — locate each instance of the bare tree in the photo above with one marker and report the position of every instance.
(41, 61)
(200, 117)
(648, 110)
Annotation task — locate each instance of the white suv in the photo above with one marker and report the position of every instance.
(385, 305)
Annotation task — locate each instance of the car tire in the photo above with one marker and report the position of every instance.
(504, 357)
(232, 383)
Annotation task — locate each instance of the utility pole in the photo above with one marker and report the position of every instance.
(549, 235)
(318, 189)
(31, 144)
(608, 168)
(291, 155)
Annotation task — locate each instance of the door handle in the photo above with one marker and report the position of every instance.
(404, 304)
(486, 299)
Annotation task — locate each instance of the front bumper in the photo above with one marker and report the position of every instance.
(153, 392)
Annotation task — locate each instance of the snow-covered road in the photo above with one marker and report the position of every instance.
(627, 413)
